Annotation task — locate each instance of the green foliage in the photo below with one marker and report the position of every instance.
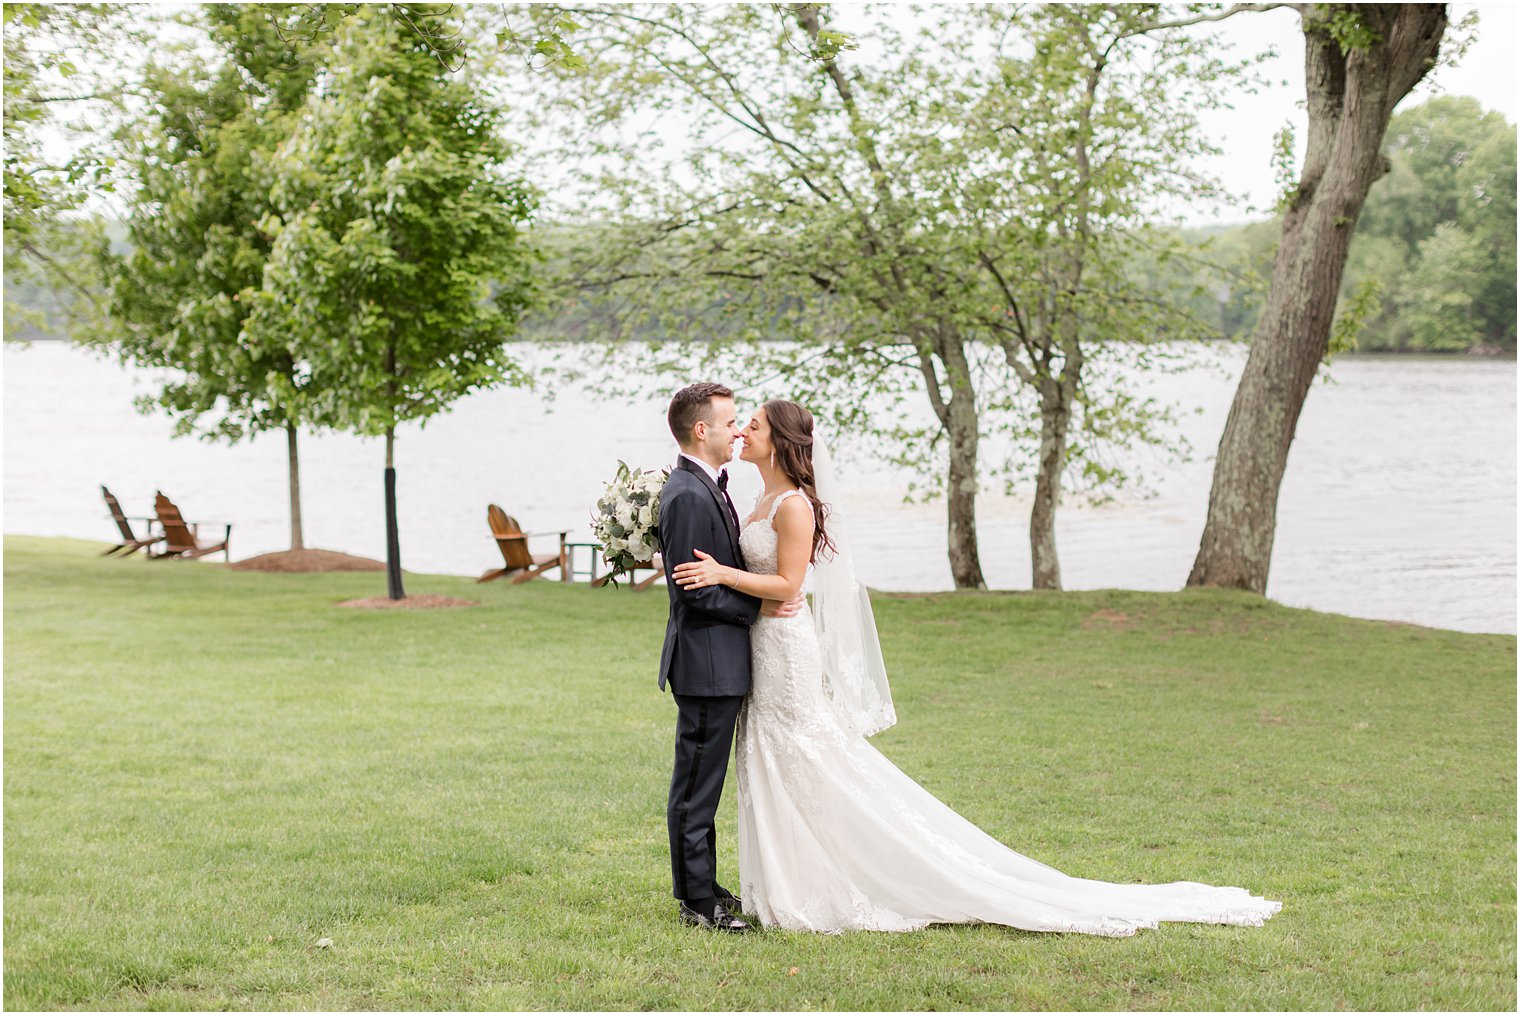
(1352, 316)
(927, 226)
(433, 27)
(1435, 241)
(41, 46)
(57, 57)
(828, 44)
(180, 294)
(397, 269)
(1283, 170)
(1440, 305)
(1439, 231)
(1345, 24)
(546, 45)
(437, 28)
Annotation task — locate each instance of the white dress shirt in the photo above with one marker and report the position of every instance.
(712, 473)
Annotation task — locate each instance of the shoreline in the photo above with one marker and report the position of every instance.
(904, 594)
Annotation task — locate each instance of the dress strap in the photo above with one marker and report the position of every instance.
(777, 503)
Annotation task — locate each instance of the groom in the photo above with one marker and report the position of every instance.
(705, 659)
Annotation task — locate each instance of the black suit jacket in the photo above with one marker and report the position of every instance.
(706, 651)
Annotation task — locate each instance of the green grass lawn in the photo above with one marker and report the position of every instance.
(206, 772)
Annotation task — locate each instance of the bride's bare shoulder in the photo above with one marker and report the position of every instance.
(793, 512)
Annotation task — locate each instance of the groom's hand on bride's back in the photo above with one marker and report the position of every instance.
(776, 608)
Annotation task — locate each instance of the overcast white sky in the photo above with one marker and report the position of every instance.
(1487, 71)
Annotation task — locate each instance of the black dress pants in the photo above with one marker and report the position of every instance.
(704, 738)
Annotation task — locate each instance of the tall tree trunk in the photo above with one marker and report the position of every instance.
(958, 415)
(960, 509)
(1351, 97)
(1045, 563)
(392, 531)
(296, 540)
(1058, 390)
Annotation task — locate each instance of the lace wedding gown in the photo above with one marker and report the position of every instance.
(834, 837)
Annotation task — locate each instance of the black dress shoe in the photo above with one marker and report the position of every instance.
(719, 919)
(731, 902)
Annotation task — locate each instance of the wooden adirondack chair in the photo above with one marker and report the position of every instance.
(513, 543)
(182, 540)
(129, 544)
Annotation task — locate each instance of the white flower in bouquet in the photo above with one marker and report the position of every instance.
(626, 519)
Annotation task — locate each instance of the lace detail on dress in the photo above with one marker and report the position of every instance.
(785, 647)
(834, 837)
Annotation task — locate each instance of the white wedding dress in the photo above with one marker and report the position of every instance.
(834, 837)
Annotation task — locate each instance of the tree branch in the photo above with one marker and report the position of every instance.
(1228, 12)
(756, 123)
(61, 271)
(1021, 326)
(1011, 357)
(931, 385)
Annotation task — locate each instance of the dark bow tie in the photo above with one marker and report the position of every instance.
(723, 480)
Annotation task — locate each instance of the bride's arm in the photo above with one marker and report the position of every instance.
(794, 545)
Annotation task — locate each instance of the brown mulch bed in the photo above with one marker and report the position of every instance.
(304, 561)
(422, 602)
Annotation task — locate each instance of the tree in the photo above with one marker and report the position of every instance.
(1443, 292)
(398, 269)
(180, 294)
(1464, 158)
(539, 40)
(947, 228)
(57, 57)
(1103, 109)
(1359, 62)
(1486, 208)
(1452, 163)
(1452, 172)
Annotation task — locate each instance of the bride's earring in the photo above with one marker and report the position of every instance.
(773, 458)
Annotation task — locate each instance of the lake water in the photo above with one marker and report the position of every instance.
(1398, 504)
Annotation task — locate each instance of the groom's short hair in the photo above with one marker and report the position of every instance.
(690, 404)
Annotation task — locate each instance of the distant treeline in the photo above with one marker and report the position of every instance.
(1432, 266)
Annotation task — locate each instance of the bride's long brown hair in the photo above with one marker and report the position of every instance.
(792, 441)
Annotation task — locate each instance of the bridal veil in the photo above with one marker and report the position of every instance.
(854, 675)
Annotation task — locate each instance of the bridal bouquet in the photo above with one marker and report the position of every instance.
(627, 518)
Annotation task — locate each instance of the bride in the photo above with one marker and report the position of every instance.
(832, 835)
